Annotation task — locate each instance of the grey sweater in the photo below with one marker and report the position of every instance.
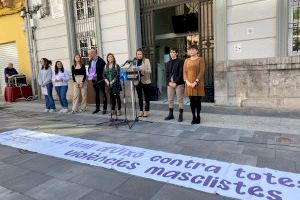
(45, 76)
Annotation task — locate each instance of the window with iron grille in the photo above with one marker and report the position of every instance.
(294, 27)
(84, 9)
(85, 27)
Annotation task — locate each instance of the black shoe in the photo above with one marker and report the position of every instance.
(104, 112)
(194, 121)
(198, 120)
(180, 118)
(170, 116)
(96, 111)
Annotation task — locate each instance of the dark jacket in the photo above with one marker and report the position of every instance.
(99, 68)
(9, 72)
(113, 75)
(174, 68)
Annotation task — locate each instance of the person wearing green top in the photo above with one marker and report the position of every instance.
(111, 75)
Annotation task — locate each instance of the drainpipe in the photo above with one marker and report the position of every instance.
(33, 52)
(29, 38)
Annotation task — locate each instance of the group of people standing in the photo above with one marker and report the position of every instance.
(185, 80)
(105, 77)
(182, 79)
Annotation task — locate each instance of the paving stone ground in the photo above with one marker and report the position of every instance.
(237, 135)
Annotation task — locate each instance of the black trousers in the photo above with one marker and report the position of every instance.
(195, 104)
(146, 89)
(100, 90)
(115, 98)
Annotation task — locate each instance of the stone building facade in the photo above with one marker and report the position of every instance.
(251, 46)
(259, 66)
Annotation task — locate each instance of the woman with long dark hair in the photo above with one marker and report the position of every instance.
(45, 81)
(144, 85)
(193, 76)
(60, 79)
(111, 75)
(80, 85)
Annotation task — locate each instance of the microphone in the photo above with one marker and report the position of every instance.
(133, 60)
(130, 61)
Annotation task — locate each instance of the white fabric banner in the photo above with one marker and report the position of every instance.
(226, 179)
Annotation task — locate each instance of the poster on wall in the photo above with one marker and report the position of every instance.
(57, 8)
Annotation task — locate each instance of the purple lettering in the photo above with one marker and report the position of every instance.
(239, 173)
(274, 195)
(256, 191)
(165, 160)
(207, 180)
(239, 186)
(214, 182)
(223, 185)
(155, 158)
(269, 178)
(185, 176)
(286, 182)
(188, 163)
(133, 165)
(123, 163)
(109, 161)
(194, 179)
(171, 174)
(254, 176)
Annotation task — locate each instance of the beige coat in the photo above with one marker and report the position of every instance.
(193, 70)
(146, 72)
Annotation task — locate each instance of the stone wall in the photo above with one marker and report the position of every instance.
(266, 83)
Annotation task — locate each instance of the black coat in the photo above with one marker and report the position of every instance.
(99, 69)
(174, 68)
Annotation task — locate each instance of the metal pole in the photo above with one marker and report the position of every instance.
(29, 38)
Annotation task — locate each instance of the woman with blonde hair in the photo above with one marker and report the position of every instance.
(80, 85)
(144, 85)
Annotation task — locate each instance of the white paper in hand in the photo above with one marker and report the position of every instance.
(44, 90)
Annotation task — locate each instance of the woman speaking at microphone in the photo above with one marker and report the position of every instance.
(144, 84)
(111, 75)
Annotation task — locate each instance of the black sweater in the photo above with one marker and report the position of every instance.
(81, 71)
(174, 68)
(9, 72)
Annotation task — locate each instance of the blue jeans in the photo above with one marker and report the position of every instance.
(49, 98)
(62, 94)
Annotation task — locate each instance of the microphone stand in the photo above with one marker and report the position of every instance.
(125, 121)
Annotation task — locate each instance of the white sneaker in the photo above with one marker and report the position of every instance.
(51, 110)
(61, 111)
(65, 110)
(46, 110)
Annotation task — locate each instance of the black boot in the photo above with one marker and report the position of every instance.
(194, 121)
(180, 118)
(198, 119)
(170, 116)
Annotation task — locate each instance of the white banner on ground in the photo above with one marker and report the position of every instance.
(226, 179)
